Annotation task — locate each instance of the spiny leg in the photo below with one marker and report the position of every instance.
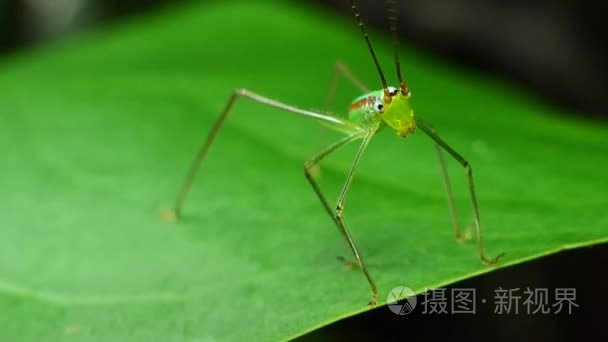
(430, 132)
(331, 121)
(336, 215)
(448, 191)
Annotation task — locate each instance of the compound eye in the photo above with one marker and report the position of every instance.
(379, 107)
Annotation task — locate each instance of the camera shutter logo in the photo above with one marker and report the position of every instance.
(406, 306)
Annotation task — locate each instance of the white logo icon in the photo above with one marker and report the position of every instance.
(407, 305)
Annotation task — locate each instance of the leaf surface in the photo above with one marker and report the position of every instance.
(98, 133)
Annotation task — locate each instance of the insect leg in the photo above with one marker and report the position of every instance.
(448, 191)
(336, 214)
(328, 120)
(431, 133)
(340, 69)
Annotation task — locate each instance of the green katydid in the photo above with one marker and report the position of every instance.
(368, 114)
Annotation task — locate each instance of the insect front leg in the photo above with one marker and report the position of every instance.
(337, 213)
(448, 191)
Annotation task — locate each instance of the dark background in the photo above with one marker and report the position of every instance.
(554, 49)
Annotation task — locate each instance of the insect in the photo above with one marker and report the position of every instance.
(369, 113)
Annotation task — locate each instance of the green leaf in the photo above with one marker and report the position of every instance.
(98, 133)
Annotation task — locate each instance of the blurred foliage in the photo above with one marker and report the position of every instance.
(98, 133)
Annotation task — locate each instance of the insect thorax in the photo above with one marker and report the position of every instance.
(366, 109)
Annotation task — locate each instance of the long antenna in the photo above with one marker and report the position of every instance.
(393, 19)
(387, 94)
